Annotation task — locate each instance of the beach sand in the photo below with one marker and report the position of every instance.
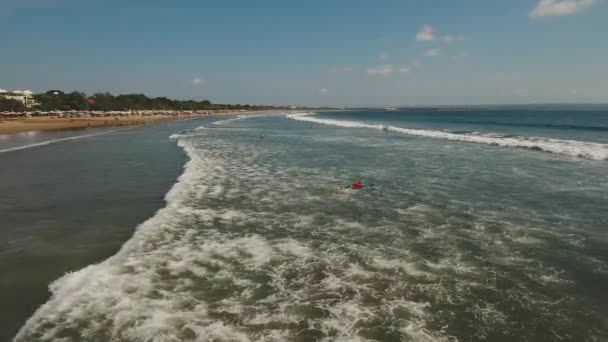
(11, 126)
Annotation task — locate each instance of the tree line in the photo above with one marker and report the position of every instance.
(59, 100)
(10, 105)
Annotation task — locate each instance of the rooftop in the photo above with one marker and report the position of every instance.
(17, 92)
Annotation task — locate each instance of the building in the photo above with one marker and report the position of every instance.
(26, 97)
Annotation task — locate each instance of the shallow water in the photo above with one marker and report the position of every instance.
(458, 240)
(69, 203)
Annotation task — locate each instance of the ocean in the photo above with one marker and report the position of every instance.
(71, 198)
(480, 226)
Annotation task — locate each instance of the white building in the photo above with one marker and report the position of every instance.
(26, 97)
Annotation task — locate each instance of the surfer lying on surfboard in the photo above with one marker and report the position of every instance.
(357, 185)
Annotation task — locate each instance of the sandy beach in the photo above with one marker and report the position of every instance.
(11, 126)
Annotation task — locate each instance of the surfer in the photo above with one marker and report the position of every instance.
(357, 185)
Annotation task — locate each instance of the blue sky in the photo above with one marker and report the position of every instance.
(338, 53)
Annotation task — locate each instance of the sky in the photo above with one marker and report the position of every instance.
(318, 53)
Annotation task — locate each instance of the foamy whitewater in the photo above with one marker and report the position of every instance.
(560, 146)
(256, 243)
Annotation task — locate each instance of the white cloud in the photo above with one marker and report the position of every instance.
(198, 82)
(405, 69)
(426, 34)
(347, 69)
(557, 8)
(388, 70)
(383, 57)
(324, 91)
(3, 91)
(382, 70)
(431, 53)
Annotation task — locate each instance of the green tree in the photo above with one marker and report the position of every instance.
(10, 105)
(59, 100)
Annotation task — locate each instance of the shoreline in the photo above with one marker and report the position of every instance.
(50, 123)
(151, 189)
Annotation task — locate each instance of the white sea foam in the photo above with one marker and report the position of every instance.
(103, 288)
(242, 117)
(125, 296)
(231, 259)
(293, 247)
(216, 123)
(221, 122)
(573, 148)
(409, 268)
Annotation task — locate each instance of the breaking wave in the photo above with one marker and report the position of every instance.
(236, 256)
(218, 123)
(573, 148)
(242, 117)
(202, 272)
(535, 125)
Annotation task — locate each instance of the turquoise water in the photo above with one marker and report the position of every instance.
(480, 227)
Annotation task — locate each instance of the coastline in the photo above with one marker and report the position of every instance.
(50, 123)
(142, 179)
(220, 162)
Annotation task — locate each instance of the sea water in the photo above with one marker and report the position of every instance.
(480, 226)
(71, 198)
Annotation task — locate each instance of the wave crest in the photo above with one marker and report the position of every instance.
(573, 148)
